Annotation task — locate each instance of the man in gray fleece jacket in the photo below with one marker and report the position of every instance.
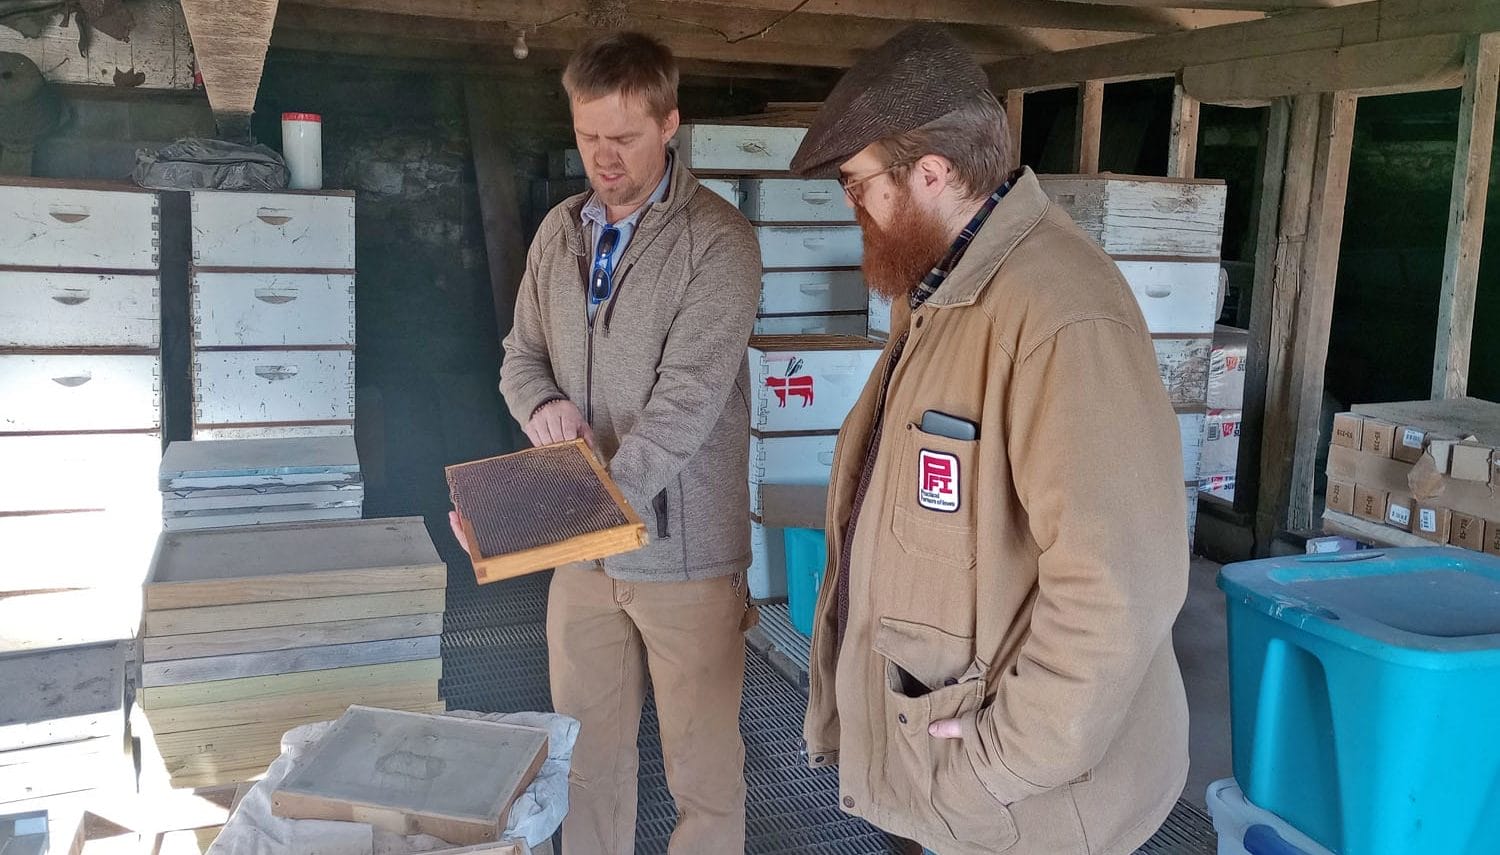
(630, 330)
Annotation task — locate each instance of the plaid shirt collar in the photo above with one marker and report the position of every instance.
(939, 274)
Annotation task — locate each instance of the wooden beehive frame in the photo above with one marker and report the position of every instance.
(588, 547)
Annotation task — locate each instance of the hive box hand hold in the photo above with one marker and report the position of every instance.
(540, 508)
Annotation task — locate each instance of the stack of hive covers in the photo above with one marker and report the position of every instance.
(220, 483)
(252, 631)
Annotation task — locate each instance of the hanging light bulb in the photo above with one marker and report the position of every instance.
(519, 49)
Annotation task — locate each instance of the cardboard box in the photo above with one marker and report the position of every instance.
(1377, 438)
(1441, 453)
(1410, 443)
(1348, 430)
(1370, 504)
(1492, 537)
(1226, 368)
(1432, 523)
(1471, 462)
(1341, 497)
(1398, 512)
(1393, 476)
(1466, 531)
(1221, 443)
(1220, 487)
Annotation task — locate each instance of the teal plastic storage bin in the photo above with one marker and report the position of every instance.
(1365, 697)
(806, 553)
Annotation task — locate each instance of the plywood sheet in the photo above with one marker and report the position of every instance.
(289, 562)
(290, 612)
(262, 639)
(540, 508)
(323, 705)
(177, 672)
(158, 51)
(289, 685)
(407, 773)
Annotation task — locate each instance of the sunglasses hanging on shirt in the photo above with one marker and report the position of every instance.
(601, 281)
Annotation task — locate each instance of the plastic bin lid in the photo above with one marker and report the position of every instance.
(1429, 600)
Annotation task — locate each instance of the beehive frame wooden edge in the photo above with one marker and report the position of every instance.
(602, 544)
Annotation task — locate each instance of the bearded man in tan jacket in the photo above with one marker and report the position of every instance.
(992, 664)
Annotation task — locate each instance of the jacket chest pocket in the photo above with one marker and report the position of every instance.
(934, 497)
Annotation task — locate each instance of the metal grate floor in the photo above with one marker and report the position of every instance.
(495, 660)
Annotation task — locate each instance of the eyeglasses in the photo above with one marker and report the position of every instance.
(852, 186)
(601, 282)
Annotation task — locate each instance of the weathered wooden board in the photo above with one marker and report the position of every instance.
(273, 431)
(255, 462)
(1135, 216)
(293, 562)
(63, 751)
(264, 639)
(177, 672)
(275, 230)
(794, 200)
(289, 685)
(289, 612)
(810, 246)
(62, 695)
(237, 498)
(246, 743)
(316, 705)
(60, 226)
(259, 517)
(851, 323)
(737, 148)
(239, 387)
(159, 50)
(1184, 363)
(801, 292)
(1176, 298)
(471, 772)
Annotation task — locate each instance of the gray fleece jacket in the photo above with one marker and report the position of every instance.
(661, 374)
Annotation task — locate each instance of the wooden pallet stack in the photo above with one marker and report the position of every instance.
(222, 483)
(250, 632)
(1165, 234)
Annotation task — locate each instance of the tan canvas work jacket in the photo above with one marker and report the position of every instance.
(1024, 582)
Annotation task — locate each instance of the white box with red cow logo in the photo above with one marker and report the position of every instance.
(807, 383)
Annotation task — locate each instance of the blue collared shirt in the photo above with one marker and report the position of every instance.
(596, 216)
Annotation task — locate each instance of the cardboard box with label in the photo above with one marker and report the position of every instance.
(1398, 512)
(1393, 476)
(1377, 437)
(1432, 523)
(1466, 531)
(1471, 462)
(1221, 443)
(1492, 537)
(1348, 430)
(1410, 443)
(1226, 368)
(1341, 496)
(1370, 504)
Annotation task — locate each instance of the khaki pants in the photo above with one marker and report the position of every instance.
(603, 637)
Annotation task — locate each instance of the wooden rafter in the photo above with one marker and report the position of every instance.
(1088, 127)
(1315, 30)
(1240, 5)
(1378, 68)
(1182, 156)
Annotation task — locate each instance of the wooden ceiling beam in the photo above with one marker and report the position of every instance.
(705, 19)
(1316, 30)
(229, 43)
(1046, 14)
(1234, 5)
(500, 37)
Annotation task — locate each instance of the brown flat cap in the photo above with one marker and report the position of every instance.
(922, 73)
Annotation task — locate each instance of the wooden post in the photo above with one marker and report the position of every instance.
(1268, 209)
(1090, 120)
(1471, 179)
(229, 45)
(1182, 157)
(1279, 269)
(1015, 110)
(1320, 265)
(499, 203)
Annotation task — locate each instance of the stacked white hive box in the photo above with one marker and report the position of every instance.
(251, 632)
(1165, 235)
(221, 483)
(809, 359)
(810, 245)
(80, 384)
(273, 314)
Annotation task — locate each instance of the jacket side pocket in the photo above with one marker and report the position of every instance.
(659, 507)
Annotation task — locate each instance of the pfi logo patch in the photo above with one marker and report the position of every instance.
(937, 481)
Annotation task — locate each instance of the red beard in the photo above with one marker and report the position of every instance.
(899, 255)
